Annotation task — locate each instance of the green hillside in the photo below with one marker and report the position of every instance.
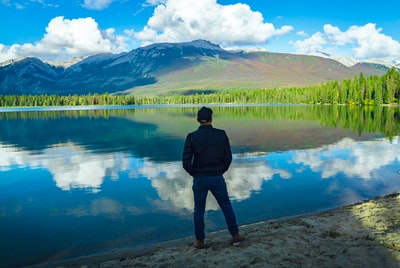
(254, 70)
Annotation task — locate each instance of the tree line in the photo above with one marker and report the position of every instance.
(359, 119)
(360, 90)
(69, 100)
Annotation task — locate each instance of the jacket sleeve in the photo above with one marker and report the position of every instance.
(187, 156)
(228, 155)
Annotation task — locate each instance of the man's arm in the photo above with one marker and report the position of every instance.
(187, 156)
(228, 155)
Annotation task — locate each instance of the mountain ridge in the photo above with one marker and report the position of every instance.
(175, 68)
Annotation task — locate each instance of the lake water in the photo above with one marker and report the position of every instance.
(77, 182)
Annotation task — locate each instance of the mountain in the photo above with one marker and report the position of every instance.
(182, 68)
(349, 61)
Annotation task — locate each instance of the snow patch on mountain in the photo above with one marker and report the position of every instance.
(65, 64)
(349, 61)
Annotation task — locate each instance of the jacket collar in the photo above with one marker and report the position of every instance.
(205, 126)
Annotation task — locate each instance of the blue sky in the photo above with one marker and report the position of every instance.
(60, 29)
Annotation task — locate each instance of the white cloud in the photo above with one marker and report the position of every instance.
(301, 33)
(365, 41)
(310, 45)
(13, 4)
(97, 4)
(66, 38)
(25, 4)
(153, 2)
(227, 25)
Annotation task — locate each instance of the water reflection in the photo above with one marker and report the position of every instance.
(70, 165)
(354, 159)
(87, 181)
(74, 168)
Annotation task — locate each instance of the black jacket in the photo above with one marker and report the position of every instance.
(207, 152)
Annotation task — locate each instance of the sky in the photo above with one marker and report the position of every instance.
(59, 30)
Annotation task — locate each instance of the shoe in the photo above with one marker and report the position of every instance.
(199, 244)
(236, 239)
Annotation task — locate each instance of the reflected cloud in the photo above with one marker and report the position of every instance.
(104, 206)
(76, 168)
(354, 159)
(11, 156)
(174, 185)
(73, 167)
(247, 173)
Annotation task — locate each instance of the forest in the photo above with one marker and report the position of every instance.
(360, 119)
(360, 90)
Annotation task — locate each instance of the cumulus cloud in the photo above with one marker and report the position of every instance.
(227, 25)
(365, 41)
(66, 38)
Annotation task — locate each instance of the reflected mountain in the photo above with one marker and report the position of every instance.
(102, 134)
(159, 133)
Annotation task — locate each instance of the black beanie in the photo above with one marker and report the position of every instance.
(204, 115)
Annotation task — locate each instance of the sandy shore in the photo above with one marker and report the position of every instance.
(366, 234)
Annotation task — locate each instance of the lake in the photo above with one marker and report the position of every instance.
(86, 180)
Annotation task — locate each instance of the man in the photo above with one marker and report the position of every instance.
(206, 156)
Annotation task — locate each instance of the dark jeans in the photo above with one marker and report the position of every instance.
(217, 186)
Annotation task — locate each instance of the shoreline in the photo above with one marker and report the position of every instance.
(364, 234)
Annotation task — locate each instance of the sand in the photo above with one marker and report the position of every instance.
(366, 234)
